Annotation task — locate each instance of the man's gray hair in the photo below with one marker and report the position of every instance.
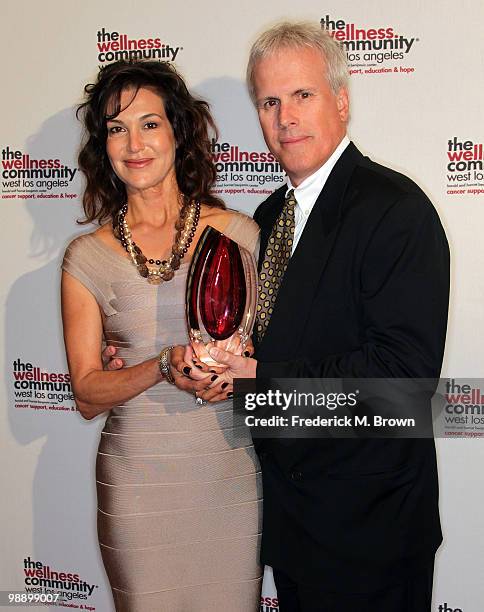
(290, 35)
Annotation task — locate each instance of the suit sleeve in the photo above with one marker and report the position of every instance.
(403, 301)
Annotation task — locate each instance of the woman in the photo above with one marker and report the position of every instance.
(178, 488)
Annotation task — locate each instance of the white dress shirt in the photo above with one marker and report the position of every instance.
(307, 192)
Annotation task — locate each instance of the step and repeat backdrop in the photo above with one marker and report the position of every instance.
(417, 95)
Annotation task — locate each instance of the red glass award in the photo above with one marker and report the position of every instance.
(221, 295)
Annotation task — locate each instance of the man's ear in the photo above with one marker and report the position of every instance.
(343, 104)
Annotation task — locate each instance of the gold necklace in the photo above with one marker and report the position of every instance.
(186, 227)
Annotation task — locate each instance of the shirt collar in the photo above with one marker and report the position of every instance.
(307, 192)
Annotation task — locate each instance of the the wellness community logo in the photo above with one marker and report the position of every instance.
(463, 408)
(40, 577)
(113, 46)
(245, 171)
(464, 167)
(374, 49)
(25, 177)
(35, 388)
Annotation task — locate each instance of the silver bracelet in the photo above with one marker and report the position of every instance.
(164, 364)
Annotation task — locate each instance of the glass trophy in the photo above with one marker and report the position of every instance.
(221, 295)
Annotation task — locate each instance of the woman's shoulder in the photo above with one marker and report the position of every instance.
(243, 229)
(236, 225)
(88, 239)
(87, 247)
(85, 260)
(80, 243)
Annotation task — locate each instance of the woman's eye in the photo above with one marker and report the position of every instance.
(114, 129)
(151, 125)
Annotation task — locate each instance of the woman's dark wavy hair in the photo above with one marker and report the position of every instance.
(189, 117)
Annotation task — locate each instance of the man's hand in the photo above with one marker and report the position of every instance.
(110, 361)
(236, 367)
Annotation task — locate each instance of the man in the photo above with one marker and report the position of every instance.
(362, 271)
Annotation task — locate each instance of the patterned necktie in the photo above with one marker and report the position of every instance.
(274, 264)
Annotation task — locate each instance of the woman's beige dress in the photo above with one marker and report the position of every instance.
(179, 491)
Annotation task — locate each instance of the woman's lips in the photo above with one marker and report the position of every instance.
(137, 163)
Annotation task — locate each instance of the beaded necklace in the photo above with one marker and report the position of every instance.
(186, 227)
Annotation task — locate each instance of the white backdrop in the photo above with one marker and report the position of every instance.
(417, 109)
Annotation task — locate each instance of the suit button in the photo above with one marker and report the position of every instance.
(296, 476)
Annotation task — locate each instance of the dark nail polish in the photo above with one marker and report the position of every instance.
(187, 370)
(214, 377)
(224, 385)
(246, 354)
(229, 394)
(213, 371)
(198, 366)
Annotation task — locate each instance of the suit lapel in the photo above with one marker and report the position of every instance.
(300, 282)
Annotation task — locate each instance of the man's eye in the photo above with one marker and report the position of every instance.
(305, 94)
(270, 103)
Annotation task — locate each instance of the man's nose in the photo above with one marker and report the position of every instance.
(287, 114)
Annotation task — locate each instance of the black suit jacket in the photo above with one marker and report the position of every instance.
(364, 295)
